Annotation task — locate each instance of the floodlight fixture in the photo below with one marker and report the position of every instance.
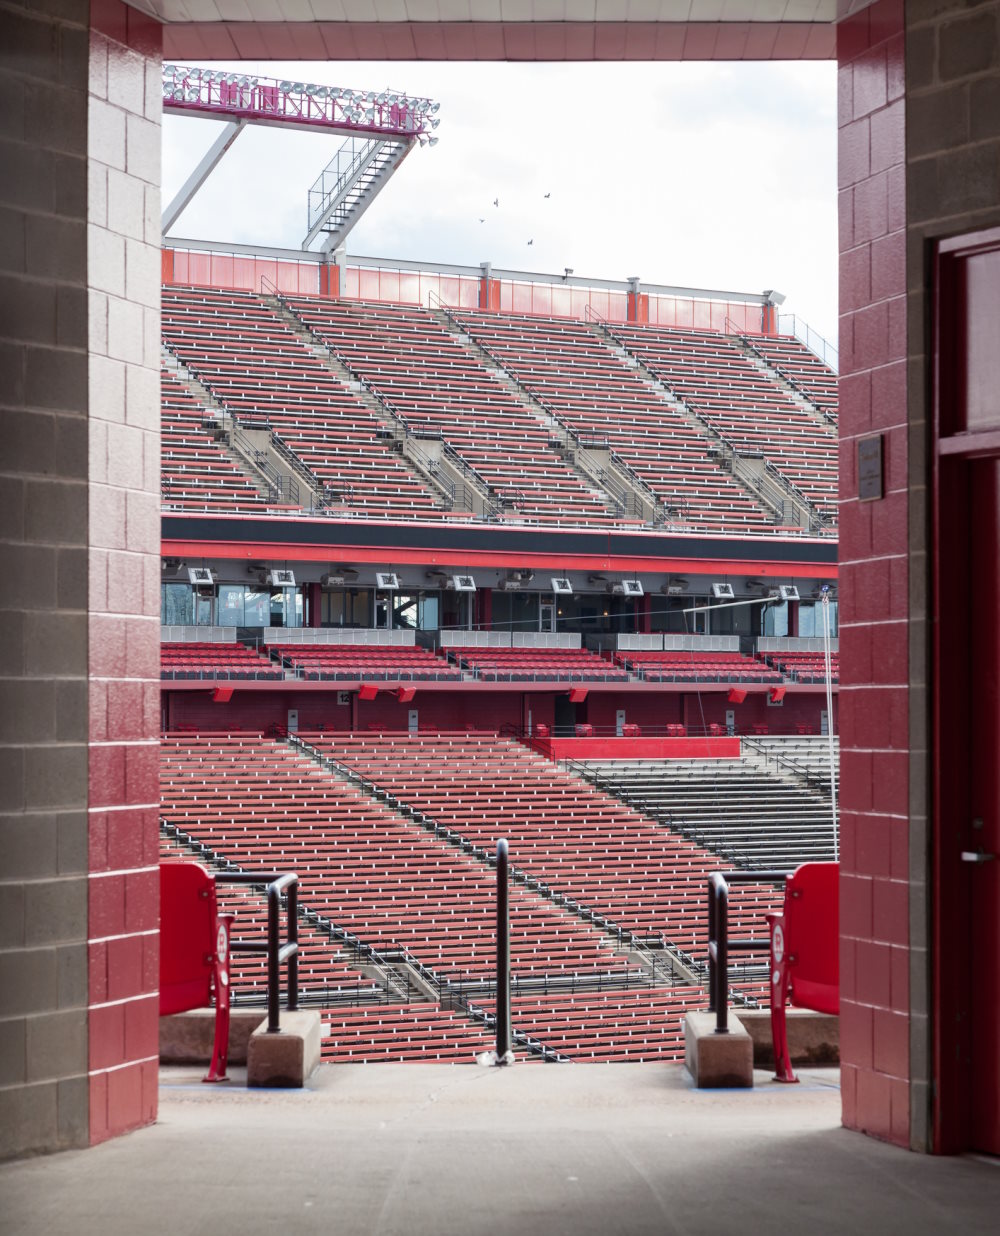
(723, 592)
(788, 592)
(387, 581)
(561, 585)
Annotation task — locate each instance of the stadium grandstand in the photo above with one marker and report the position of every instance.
(451, 555)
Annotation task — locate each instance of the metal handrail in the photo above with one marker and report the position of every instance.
(719, 943)
(277, 883)
(796, 386)
(817, 518)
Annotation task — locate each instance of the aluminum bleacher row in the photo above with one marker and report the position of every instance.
(404, 891)
(577, 840)
(807, 758)
(533, 664)
(375, 662)
(265, 371)
(794, 360)
(755, 413)
(215, 660)
(570, 366)
(262, 370)
(370, 871)
(755, 813)
(441, 389)
(194, 470)
(690, 666)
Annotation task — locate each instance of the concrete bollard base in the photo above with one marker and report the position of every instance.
(187, 1038)
(287, 1058)
(716, 1060)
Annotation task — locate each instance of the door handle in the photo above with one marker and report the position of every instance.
(976, 856)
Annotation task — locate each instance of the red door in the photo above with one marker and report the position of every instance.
(966, 835)
(980, 854)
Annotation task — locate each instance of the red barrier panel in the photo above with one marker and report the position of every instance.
(805, 952)
(613, 748)
(194, 952)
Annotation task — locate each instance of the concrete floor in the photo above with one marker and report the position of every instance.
(431, 1150)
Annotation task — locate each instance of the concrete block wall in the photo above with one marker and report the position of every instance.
(43, 562)
(874, 596)
(123, 268)
(79, 551)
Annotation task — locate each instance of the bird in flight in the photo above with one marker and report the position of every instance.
(482, 220)
(548, 195)
(531, 242)
(496, 201)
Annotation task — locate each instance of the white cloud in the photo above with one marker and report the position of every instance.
(701, 175)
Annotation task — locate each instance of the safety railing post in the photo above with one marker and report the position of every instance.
(503, 955)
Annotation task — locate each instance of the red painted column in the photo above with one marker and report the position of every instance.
(123, 273)
(329, 280)
(874, 694)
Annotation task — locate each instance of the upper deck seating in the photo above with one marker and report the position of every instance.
(439, 388)
(364, 662)
(214, 660)
(793, 359)
(692, 666)
(534, 664)
(597, 395)
(263, 372)
(745, 405)
(195, 473)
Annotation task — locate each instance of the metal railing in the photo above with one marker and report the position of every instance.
(818, 521)
(719, 943)
(789, 324)
(503, 955)
(278, 884)
(747, 340)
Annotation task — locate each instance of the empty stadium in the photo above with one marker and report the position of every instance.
(351, 567)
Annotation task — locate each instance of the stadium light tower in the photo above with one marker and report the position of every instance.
(381, 130)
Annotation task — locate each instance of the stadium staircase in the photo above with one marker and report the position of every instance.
(600, 396)
(785, 371)
(461, 487)
(743, 405)
(261, 454)
(609, 477)
(264, 374)
(442, 391)
(788, 507)
(195, 471)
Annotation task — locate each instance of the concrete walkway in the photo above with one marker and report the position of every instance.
(533, 1150)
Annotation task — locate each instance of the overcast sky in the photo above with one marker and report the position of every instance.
(698, 175)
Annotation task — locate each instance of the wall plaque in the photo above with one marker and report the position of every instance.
(870, 468)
